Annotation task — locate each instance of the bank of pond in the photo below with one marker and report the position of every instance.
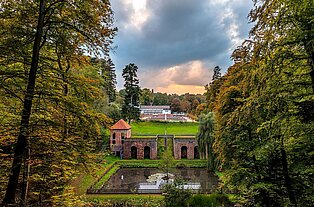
(152, 180)
(141, 183)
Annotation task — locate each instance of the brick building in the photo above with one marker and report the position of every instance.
(145, 147)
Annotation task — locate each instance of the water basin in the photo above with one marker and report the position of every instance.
(149, 180)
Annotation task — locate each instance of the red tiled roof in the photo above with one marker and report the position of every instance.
(121, 124)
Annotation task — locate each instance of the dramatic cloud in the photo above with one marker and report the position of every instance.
(178, 41)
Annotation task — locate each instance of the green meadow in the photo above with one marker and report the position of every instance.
(177, 128)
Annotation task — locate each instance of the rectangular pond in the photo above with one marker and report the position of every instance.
(148, 180)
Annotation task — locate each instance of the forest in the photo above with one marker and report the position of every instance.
(58, 96)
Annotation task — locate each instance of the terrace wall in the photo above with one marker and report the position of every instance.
(189, 143)
(140, 144)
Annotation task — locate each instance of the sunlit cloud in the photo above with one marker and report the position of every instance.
(181, 89)
(177, 43)
(191, 75)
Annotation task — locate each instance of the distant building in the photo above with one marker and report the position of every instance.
(149, 110)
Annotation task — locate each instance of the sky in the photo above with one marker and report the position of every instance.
(177, 43)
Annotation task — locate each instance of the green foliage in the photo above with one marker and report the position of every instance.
(180, 165)
(48, 89)
(263, 138)
(167, 162)
(106, 177)
(125, 200)
(138, 163)
(86, 180)
(146, 97)
(107, 72)
(130, 107)
(155, 128)
(175, 195)
(210, 200)
(156, 163)
(205, 139)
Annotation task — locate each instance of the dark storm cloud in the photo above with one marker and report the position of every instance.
(177, 32)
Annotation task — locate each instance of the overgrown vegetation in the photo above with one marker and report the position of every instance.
(176, 195)
(209, 200)
(52, 95)
(264, 108)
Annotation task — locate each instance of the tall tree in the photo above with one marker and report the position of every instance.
(260, 106)
(107, 71)
(57, 33)
(130, 107)
(205, 139)
(217, 73)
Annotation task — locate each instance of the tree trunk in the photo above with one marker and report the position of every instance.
(25, 182)
(27, 107)
(287, 177)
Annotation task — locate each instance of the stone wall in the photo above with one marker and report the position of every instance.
(140, 144)
(189, 143)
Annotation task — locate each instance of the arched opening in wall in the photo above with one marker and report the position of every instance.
(196, 153)
(184, 152)
(147, 152)
(133, 152)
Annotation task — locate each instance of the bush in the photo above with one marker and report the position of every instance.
(175, 195)
(181, 165)
(210, 200)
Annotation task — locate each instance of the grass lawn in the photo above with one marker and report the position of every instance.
(154, 128)
(83, 182)
(126, 200)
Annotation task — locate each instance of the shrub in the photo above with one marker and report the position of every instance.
(175, 195)
(181, 165)
(211, 200)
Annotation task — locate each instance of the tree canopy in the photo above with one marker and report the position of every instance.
(130, 107)
(263, 136)
(49, 88)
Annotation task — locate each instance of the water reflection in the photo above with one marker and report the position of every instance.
(134, 179)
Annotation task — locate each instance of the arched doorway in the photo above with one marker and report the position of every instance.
(196, 153)
(147, 152)
(133, 152)
(184, 152)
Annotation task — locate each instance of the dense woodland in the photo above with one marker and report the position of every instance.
(256, 120)
(53, 95)
(264, 109)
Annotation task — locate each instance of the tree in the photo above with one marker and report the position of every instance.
(57, 33)
(185, 106)
(258, 112)
(175, 194)
(107, 71)
(176, 105)
(167, 162)
(205, 139)
(130, 107)
(161, 99)
(217, 73)
(146, 96)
